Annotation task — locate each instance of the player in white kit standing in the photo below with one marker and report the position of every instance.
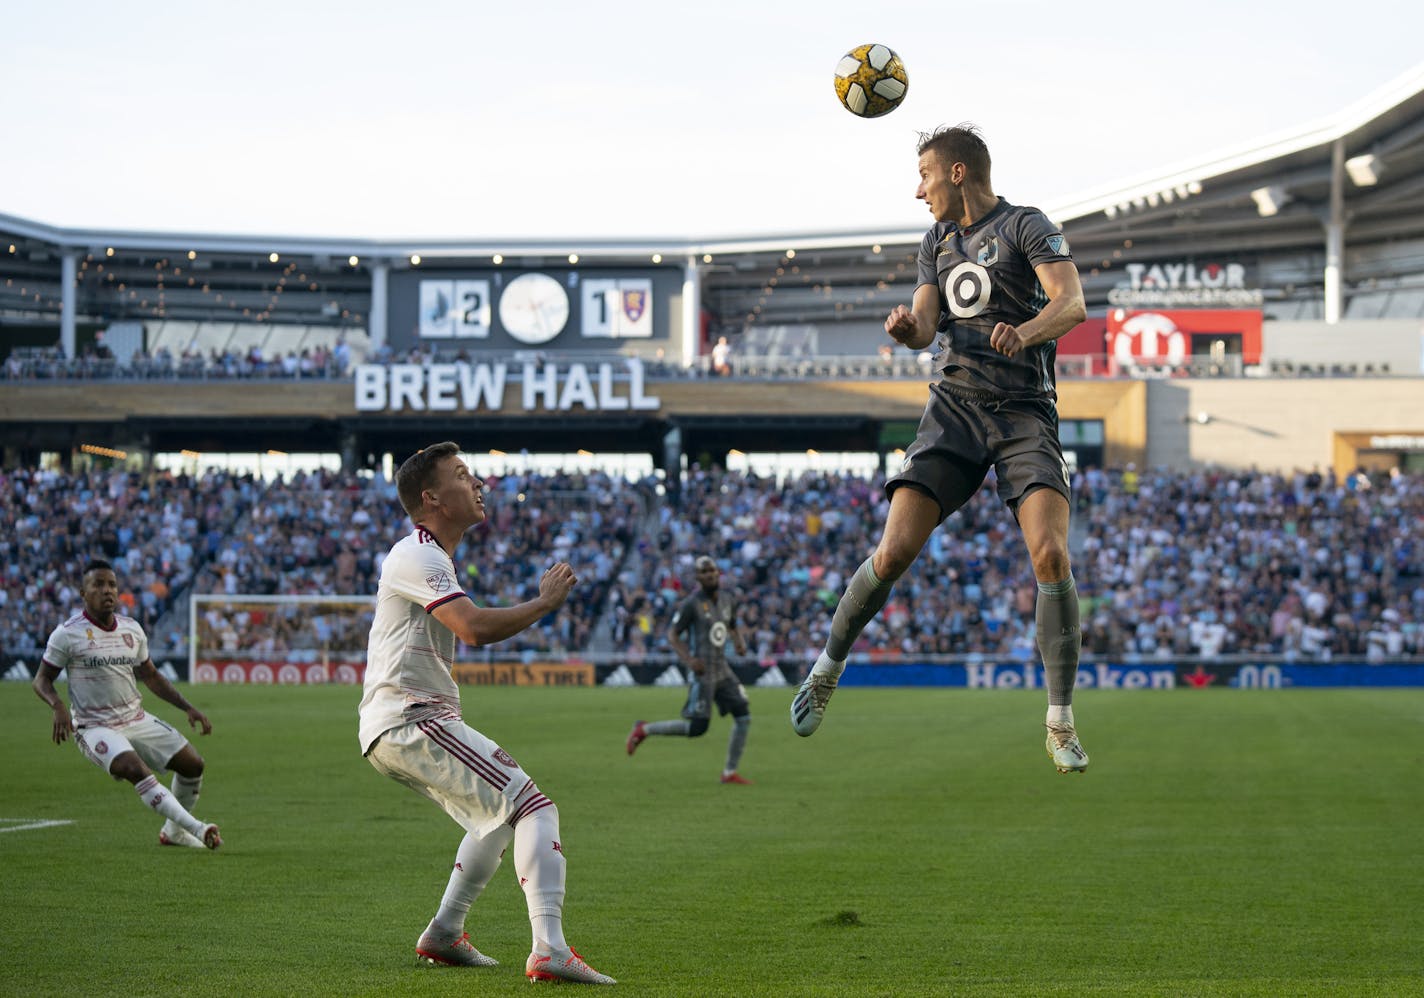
(104, 652)
(412, 730)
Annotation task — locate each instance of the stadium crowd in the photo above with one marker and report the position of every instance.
(1203, 564)
(324, 534)
(100, 364)
(1200, 563)
(156, 531)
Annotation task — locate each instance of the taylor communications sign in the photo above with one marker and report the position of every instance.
(464, 387)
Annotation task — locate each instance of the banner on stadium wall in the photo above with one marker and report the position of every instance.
(22, 668)
(278, 672)
(524, 673)
(1091, 675)
(298, 673)
(1170, 338)
(1187, 284)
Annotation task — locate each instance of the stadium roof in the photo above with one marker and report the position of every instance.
(1265, 201)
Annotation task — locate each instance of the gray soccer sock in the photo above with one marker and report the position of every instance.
(737, 741)
(1059, 637)
(668, 728)
(861, 601)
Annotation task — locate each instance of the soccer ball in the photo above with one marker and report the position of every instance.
(871, 80)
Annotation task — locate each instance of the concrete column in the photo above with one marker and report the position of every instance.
(1335, 235)
(376, 324)
(691, 310)
(68, 268)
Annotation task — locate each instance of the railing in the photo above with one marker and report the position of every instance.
(901, 365)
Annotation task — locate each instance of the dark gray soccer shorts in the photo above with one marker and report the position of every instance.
(729, 696)
(962, 436)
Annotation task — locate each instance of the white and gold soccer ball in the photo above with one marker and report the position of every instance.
(871, 80)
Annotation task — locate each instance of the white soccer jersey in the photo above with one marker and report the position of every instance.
(101, 664)
(409, 653)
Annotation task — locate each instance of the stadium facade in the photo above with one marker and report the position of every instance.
(1260, 306)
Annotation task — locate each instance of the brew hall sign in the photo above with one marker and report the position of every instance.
(541, 387)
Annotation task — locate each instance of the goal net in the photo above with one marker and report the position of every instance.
(278, 639)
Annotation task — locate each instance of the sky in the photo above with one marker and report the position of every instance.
(619, 119)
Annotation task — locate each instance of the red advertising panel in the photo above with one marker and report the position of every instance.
(1170, 338)
(280, 671)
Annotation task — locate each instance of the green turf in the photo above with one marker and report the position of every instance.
(1223, 843)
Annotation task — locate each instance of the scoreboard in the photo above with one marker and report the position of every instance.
(500, 309)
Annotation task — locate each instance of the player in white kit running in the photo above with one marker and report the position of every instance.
(411, 728)
(104, 652)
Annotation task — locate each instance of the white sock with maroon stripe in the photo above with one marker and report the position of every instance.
(539, 861)
(156, 796)
(186, 789)
(475, 864)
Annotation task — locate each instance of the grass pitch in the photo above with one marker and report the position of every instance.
(1224, 842)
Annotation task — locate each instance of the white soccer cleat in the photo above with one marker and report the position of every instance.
(212, 838)
(174, 835)
(563, 965)
(808, 706)
(1063, 748)
(448, 951)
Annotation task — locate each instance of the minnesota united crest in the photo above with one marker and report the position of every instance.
(988, 253)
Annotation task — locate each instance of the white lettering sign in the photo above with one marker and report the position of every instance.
(990, 676)
(1167, 284)
(475, 387)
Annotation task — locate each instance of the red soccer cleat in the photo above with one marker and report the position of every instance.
(735, 778)
(563, 965)
(636, 736)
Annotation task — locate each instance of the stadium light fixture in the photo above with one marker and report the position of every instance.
(1364, 170)
(497, 259)
(1269, 200)
(657, 258)
(415, 259)
(573, 258)
(353, 260)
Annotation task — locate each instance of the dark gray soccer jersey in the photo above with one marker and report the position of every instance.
(985, 275)
(705, 622)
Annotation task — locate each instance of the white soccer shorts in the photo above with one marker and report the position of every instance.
(474, 780)
(155, 741)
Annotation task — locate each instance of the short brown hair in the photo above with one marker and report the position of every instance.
(960, 143)
(419, 472)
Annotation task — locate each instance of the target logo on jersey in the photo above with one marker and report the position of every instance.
(967, 289)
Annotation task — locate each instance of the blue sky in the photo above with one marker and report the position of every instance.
(555, 118)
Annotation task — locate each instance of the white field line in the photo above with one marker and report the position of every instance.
(29, 824)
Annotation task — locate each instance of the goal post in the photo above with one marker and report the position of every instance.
(289, 640)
